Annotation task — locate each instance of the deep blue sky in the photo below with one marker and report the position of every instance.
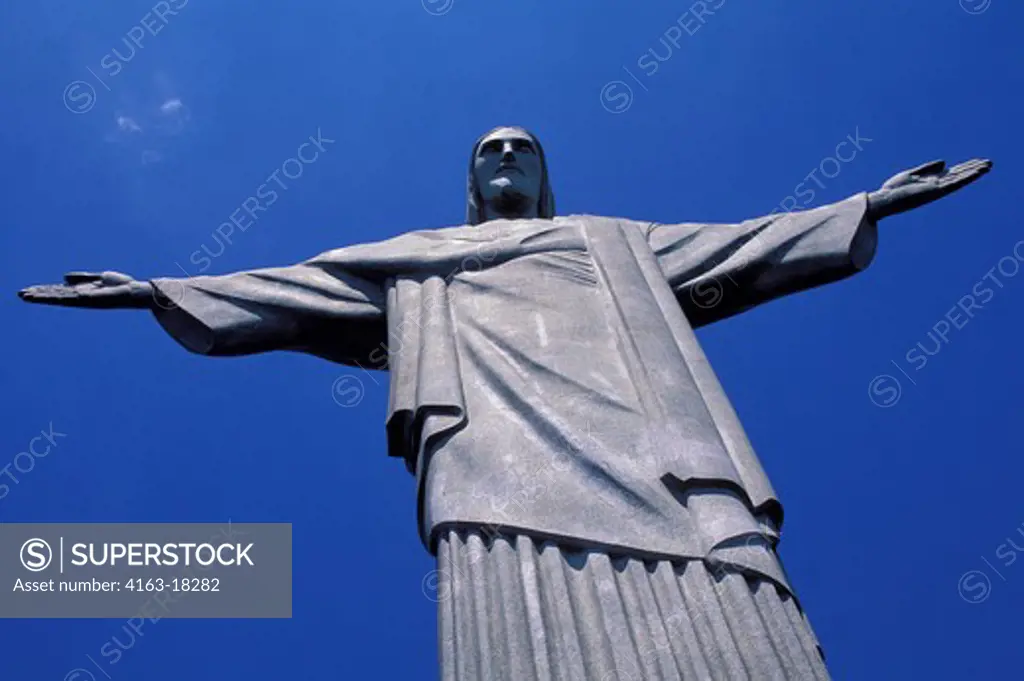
(887, 508)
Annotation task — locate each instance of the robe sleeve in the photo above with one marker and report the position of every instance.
(718, 270)
(319, 307)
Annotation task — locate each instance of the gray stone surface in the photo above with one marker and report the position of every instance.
(545, 376)
(513, 608)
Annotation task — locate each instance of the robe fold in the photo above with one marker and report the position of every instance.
(513, 609)
(544, 374)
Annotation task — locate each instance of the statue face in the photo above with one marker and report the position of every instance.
(508, 169)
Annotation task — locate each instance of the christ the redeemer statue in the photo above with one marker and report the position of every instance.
(596, 510)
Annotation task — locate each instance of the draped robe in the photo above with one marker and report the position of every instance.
(544, 374)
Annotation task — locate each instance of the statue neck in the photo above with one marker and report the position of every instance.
(503, 208)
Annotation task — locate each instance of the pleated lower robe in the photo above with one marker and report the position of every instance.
(515, 609)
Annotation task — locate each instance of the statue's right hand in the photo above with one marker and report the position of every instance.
(92, 289)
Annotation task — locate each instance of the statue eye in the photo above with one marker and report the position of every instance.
(524, 146)
(491, 147)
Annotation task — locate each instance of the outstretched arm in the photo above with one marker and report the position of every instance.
(319, 307)
(719, 270)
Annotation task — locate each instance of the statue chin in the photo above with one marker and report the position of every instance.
(510, 201)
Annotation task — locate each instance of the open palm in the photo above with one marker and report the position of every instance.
(923, 184)
(92, 289)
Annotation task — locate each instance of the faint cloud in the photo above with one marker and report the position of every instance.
(80, 95)
(126, 124)
(173, 105)
(174, 116)
(148, 132)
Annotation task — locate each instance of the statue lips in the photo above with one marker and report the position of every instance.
(508, 166)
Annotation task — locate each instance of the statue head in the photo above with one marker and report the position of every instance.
(508, 177)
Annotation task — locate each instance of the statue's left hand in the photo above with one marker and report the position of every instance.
(923, 184)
